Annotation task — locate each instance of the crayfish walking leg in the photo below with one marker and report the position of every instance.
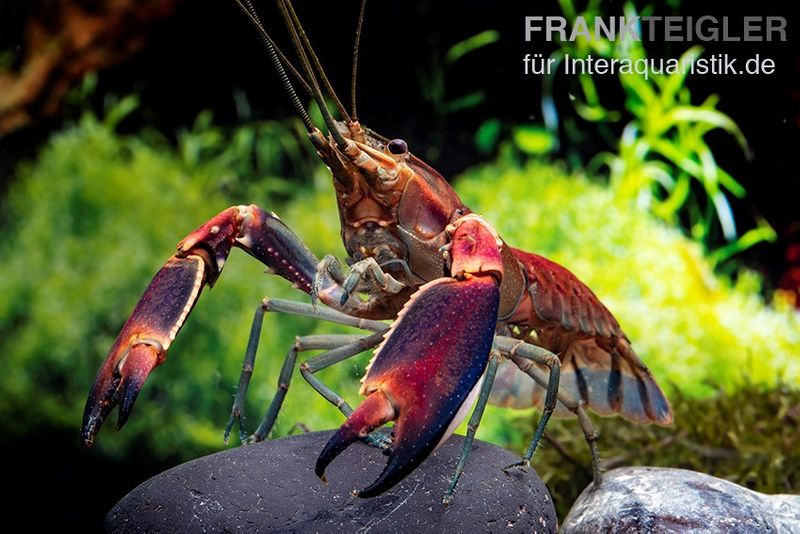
(532, 354)
(347, 343)
(351, 344)
(473, 424)
(511, 347)
(332, 357)
(589, 432)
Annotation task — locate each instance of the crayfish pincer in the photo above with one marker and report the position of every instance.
(465, 307)
(427, 372)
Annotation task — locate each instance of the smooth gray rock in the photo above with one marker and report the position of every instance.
(661, 500)
(271, 486)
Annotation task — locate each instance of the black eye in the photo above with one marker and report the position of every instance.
(397, 147)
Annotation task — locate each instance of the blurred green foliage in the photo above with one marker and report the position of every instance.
(661, 159)
(749, 437)
(533, 140)
(88, 224)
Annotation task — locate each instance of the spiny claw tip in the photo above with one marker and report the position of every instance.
(320, 472)
(130, 391)
(125, 407)
(137, 366)
(95, 413)
(87, 436)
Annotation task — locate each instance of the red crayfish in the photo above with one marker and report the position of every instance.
(462, 303)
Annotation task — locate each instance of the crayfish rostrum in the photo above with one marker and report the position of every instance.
(464, 307)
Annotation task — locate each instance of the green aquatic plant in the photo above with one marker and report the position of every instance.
(434, 84)
(662, 158)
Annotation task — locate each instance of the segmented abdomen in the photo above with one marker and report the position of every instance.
(598, 364)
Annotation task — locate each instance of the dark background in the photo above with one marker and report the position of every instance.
(207, 51)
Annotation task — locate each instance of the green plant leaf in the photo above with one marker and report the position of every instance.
(477, 41)
(763, 233)
(673, 83)
(467, 101)
(668, 208)
(488, 135)
(117, 112)
(707, 116)
(533, 140)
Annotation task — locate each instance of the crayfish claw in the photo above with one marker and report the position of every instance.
(422, 377)
(328, 273)
(95, 414)
(117, 383)
(143, 342)
(372, 413)
(136, 366)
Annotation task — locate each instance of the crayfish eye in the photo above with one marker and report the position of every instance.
(398, 147)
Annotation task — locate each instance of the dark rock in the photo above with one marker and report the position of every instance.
(271, 486)
(651, 499)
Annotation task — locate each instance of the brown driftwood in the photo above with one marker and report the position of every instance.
(65, 40)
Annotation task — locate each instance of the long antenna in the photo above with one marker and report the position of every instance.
(284, 60)
(317, 92)
(247, 8)
(315, 61)
(355, 60)
(292, 69)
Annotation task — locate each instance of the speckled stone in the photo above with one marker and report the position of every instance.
(271, 486)
(662, 500)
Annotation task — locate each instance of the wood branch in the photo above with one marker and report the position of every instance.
(65, 42)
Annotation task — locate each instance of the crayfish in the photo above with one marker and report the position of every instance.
(464, 306)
